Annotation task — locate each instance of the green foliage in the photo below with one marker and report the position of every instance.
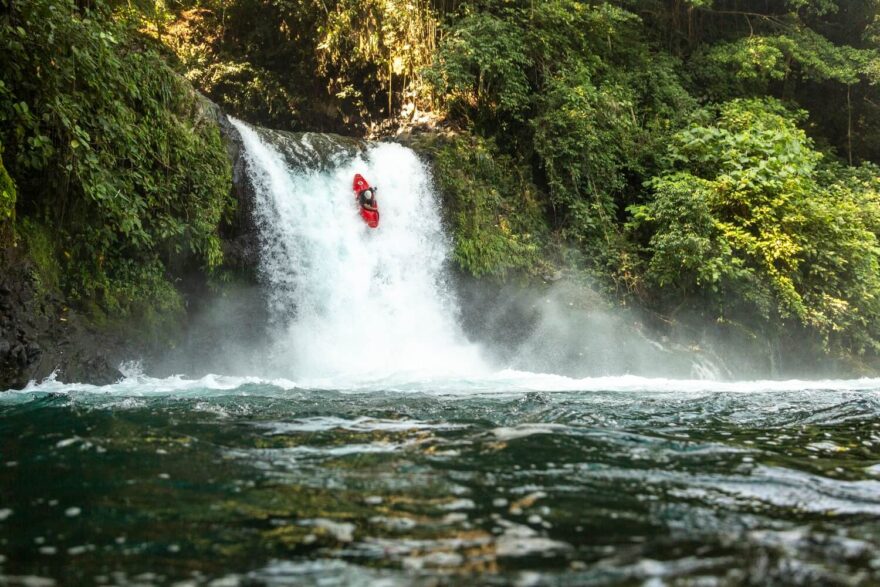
(758, 60)
(7, 204)
(686, 250)
(748, 223)
(41, 247)
(108, 146)
(600, 123)
(141, 290)
(585, 136)
(586, 139)
(481, 68)
(813, 7)
(322, 63)
(497, 220)
(248, 91)
(366, 47)
(751, 170)
(560, 32)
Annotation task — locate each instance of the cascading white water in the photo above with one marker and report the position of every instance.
(351, 302)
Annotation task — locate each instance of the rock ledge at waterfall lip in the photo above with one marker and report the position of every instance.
(302, 150)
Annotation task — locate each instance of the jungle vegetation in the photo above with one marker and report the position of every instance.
(113, 171)
(710, 157)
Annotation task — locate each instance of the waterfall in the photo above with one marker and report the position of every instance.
(348, 301)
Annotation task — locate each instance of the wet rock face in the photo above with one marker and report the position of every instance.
(239, 235)
(39, 335)
(241, 246)
(14, 335)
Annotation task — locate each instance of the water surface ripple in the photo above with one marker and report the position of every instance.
(243, 482)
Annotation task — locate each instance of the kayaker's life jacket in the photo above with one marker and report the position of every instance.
(367, 197)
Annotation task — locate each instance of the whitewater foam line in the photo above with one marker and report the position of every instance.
(142, 385)
(502, 382)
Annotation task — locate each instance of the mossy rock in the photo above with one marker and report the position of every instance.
(8, 196)
(41, 249)
(494, 209)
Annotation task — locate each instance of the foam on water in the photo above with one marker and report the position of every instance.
(501, 382)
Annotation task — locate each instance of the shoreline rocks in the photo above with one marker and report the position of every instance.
(40, 335)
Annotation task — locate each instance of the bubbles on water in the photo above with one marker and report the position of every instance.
(341, 531)
(577, 487)
(66, 442)
(521, 540)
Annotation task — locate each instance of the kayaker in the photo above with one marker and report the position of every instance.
(367, 199)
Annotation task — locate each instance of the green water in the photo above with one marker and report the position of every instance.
(258, 484)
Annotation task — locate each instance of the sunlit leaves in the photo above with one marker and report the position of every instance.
(482, 65)
(749, 217)
(376, 46)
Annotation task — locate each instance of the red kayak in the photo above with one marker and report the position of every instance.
(371, 217)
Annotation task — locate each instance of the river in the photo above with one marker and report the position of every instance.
(375, 444)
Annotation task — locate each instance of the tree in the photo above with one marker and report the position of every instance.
(748, 222)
